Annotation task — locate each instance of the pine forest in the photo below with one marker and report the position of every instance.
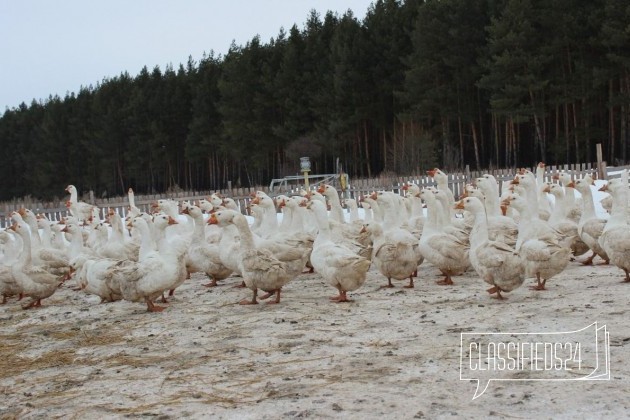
(408, 86)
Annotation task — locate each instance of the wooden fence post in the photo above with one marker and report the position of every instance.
(601, 164)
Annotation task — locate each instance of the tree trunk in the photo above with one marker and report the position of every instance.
(575, 134)
(495, 125)
(539, 133)
(120, 175)
(567, 136)
(623, 120)
(482, 139)
(515, 142)
(508, 142)
(586, 120)
(475, 144)
(461, 141)
(367, 149)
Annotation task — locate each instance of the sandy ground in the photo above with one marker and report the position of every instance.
(393, 353)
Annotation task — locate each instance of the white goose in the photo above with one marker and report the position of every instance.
(615, 239)
(337, 264)
(543, 252)
(544, 207)
(269, 223)
(443, 250)
(559, 220)
(353, 208)
(157, 270)
(92, 277)
(332, 198)
(590, 227)
(396, 253)
(202, 256)
(34, 281)
(495, 262)
(500, 228)
(51, 259)
(10, 253)
(417, 218)
(133, 211)
(573, 206)
(116, 247)
(441, 180)
(260, 268)
(79, 209)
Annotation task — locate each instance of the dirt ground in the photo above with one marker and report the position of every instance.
(393, 353)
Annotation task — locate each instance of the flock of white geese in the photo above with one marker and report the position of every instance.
(505, 239)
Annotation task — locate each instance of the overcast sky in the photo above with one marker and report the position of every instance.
(54, 47)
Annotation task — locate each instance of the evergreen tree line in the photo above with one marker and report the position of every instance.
(414, 84)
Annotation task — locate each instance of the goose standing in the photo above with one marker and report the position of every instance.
(443, 250)
(573, 206)
(590, 227)
(341, 267)
(395, 253)
(157, 269)
(495, 262)
(615, 239)
(441, 180)
(79, 209)
(544, 207)
(34, 281)
(202, 256)
(543, 252)
(8, 285)
(559, 220)
(91, 275)
(133, 211)
(260, 268)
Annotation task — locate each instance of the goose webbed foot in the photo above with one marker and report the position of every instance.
(213, 282)
(496, 290)
(342, 297)
(540, 284)
(446, 282)
(250, 302)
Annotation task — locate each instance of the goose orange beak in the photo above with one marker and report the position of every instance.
(604, 187)
(321, 189)
(172, 221)
(431, 172)
(212, 220)
(571, 184)
(459, 205)
(555, 177)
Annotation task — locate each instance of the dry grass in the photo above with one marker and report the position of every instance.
(13, 363)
